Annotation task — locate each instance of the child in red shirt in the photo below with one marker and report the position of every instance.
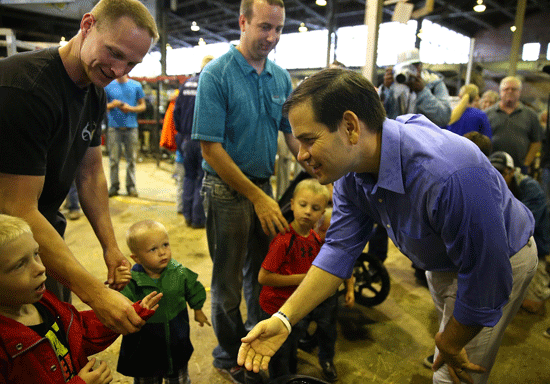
(287, 262)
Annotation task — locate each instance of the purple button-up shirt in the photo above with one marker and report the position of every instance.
(444, 206)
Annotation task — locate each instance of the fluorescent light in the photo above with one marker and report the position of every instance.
(321, 3)
(480, 8)
(302, 28)
(201, 41)
(194, 26)
(513, 28)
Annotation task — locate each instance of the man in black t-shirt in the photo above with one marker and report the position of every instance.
(52, 103)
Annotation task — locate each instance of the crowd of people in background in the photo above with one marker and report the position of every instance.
(483, 163)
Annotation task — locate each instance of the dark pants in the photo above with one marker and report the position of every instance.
(285, 361)
(378, 242)
(324, 315)
(193, 209)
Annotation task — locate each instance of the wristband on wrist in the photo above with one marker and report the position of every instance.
(281, 316)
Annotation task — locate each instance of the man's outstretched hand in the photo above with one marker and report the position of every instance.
(261, 343)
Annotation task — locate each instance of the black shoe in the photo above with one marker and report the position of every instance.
(253, 378)
(329, 371)
(235, 374)
(132, 192)
(428, 361)
(113, 192)
(197, 226)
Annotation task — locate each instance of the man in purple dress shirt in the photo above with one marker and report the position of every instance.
(442, 203)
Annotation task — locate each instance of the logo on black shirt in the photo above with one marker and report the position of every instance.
(87, 133)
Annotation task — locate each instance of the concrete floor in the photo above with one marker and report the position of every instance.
(383, 344)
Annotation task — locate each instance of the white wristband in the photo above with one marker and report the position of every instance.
(281, 316)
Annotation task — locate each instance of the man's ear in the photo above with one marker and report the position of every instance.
(352, 126)
(242, 22)
(86, 23)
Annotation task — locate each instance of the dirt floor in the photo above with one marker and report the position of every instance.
(383, 344)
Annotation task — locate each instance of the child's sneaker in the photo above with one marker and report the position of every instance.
(235, 374)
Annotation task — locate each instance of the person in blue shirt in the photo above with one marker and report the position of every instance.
(125, 99)
(466, 116)
(189, 151)
(237, 118)
(443, 204)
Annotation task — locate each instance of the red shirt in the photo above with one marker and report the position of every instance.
(289, 254)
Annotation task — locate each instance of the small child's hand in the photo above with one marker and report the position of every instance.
(100, 375)
(350, 292)
(151, 301)
(123, 275)
(201, 318)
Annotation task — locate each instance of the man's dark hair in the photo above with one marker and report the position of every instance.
(332, 92)
(482, 141)
(247, 5)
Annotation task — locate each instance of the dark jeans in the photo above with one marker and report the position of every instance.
(324, 315)
(378, 242)
(193, 209)
(237, 246)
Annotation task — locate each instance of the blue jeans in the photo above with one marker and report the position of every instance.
(116, 138)
(193, 209)
(237, 247)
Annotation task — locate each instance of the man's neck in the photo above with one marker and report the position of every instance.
(257, 64)
(508, 109)
(70, 56)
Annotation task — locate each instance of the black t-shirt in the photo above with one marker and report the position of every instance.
(46, 124)
(53, 330)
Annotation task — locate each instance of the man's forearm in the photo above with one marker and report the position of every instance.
(455, 336)
(534, 148)
(316, 287)
(94, 198)
(59, 261)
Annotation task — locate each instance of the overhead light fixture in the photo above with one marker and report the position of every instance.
(513, 28)
(480, 7)
(168, 46)
(302, 27)
(62, 42)
(201, 41)
(321, 3)
(195, 27)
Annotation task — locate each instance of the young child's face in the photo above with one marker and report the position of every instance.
(22, 274)
(153, 251)
(308, 207)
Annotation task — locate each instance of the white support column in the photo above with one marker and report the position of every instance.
(373, 17)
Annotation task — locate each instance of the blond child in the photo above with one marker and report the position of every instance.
(285, 266)
(43, 339)
(162, 348)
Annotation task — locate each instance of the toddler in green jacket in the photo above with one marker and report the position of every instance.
(162, 348)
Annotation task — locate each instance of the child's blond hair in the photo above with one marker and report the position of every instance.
(11, 228)
(135, 232)
(314, 186)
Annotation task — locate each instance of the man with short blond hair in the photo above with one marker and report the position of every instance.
(52, 104)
